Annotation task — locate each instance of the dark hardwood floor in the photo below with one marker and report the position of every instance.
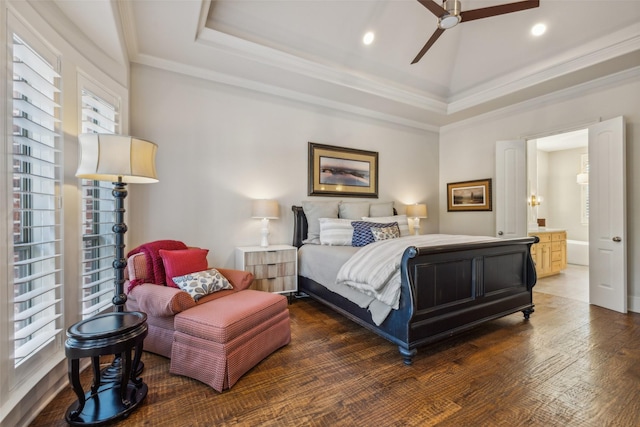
(571, 365)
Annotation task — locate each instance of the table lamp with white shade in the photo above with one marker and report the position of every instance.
(417, 211)
(265, 210)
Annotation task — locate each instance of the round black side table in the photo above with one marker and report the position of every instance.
(117, 333)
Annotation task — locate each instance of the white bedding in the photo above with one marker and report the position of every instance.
(368, 276)
(374, 270)
(321, 263)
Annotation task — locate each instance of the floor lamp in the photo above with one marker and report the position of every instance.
(121, 160)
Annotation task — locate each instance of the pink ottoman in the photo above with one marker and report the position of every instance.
(219, 341)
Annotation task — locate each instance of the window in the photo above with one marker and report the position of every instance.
(36, 202)
(98, 217)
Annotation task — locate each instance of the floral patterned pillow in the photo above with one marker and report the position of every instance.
(385, 233)
(202, 283)
(362, 234)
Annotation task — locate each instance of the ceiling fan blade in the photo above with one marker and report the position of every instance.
(434, 7)
(486, 12)
(426, 47)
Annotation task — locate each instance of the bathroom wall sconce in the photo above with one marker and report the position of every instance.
(534, 200)
(582, 178)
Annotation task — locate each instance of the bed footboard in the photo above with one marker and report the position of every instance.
(444, 289)
(456, 287)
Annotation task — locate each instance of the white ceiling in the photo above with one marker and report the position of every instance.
(564, 141)
(311, 50)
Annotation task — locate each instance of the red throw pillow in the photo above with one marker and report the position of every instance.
(183, 261)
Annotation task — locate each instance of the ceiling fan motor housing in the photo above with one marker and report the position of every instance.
(453, 17)
(449, 15)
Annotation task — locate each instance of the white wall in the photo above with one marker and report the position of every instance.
(220, 147)
(467, 151)
(563, 199)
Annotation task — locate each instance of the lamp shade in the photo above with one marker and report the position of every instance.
(268, 209)
(419, 210)
(107, 157)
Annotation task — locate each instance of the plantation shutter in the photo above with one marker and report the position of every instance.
(36, 202)
(98, 217)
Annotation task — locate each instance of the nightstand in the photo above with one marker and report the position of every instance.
(275, 267)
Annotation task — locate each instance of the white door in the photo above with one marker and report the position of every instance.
(511, 189)
(607, 216)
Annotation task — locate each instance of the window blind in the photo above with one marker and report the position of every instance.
(36, 202)
(98, 217)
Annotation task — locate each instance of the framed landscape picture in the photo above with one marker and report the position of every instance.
(345, 172)
(469, 196)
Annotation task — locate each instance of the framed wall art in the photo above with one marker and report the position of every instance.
(339, 171)
(469, 196)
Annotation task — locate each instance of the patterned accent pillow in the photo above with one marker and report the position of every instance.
(202, 283)
(403, 223)
(385, 233)
(362, 234)
(335, 232)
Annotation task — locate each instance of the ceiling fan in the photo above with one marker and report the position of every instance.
(449, 15)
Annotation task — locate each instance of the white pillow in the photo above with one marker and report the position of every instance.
(381, 209)
(403, 223)
(202, 283)
(353, 210)
(314, 211)
(335, 231)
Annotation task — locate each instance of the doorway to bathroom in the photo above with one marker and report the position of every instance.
(605, 208)
(558, 201)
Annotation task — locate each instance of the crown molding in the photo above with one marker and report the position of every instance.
(128, 25)
(230, 80)
(613, 45)
(310, 69)
(601, 83)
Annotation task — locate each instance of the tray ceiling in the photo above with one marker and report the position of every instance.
(312, 50)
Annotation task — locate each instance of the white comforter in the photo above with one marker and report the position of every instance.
(375, 269)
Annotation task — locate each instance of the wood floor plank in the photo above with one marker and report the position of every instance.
(571, 364)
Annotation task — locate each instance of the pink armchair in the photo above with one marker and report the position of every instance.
(162, 303)
(215, 338)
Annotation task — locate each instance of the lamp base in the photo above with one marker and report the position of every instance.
(416, 226)
(264, 242)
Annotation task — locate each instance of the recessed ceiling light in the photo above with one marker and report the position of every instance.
(368, 38)
(538, 29)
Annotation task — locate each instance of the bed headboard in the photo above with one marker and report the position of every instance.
(300, 225)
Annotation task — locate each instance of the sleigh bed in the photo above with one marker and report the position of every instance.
(443, 289)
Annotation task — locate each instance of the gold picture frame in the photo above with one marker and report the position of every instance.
(343, 172)
(469, 196)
